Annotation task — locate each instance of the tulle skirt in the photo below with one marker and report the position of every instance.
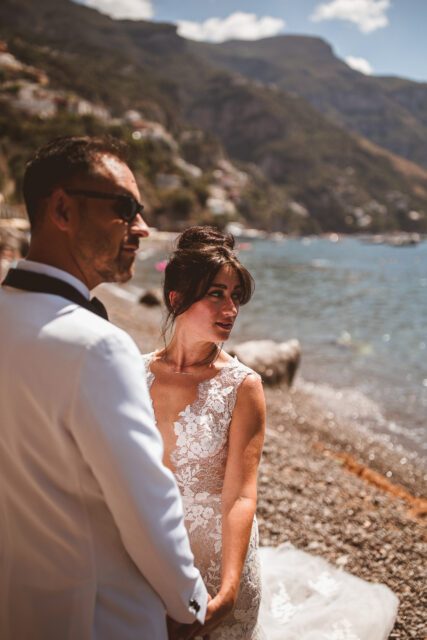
(306, 598)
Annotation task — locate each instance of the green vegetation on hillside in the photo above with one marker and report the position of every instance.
(303, 173)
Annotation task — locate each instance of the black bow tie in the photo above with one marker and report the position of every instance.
(40, 283)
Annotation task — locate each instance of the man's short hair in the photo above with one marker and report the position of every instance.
(60, 160)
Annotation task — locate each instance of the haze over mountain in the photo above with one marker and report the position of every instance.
(305, 173)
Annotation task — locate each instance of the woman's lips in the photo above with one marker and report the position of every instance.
(225, 325)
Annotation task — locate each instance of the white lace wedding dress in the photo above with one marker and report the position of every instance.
(304, 597)
(199, 461)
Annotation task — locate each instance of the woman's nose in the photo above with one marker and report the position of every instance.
(231, 306)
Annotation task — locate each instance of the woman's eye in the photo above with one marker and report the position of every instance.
(215, 294)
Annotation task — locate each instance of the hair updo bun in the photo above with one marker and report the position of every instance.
(204, 236)
(200, 254)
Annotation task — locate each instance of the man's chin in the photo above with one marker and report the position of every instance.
(120, 274)
(123, 268)
(125, 272)
(122, 277)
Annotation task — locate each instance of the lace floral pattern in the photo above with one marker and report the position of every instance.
(199, 458)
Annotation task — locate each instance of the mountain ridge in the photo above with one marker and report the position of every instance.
(382, 109)
(294, 151)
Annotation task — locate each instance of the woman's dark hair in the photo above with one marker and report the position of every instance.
(200, 253)
(60, 160)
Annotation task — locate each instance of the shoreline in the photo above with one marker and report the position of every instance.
(327, 487)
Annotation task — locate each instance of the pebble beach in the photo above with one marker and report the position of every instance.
(328, 486)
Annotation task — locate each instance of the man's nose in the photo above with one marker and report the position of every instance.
(139, 227)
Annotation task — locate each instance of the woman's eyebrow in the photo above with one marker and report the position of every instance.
(224, 286)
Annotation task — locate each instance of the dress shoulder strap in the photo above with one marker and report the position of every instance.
(146, 360)
(236, 372)
(147, 357)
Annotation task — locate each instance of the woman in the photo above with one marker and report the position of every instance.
(210, 411)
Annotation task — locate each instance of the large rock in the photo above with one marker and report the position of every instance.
(151, 298)
(274, 361)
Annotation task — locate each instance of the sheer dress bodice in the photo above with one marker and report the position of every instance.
(199, 460)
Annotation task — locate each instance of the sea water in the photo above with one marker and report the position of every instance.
(359, 311)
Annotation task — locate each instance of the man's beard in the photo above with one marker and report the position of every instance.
(94, 255)
(125, 267)
(119, 269)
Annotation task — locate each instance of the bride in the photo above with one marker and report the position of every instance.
(210, 410)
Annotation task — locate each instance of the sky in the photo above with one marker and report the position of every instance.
(380, 37)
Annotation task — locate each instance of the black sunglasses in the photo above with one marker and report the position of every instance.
(126, 207)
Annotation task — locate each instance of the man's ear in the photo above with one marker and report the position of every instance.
(59, 210)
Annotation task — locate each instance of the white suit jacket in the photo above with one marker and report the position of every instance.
(92, 540)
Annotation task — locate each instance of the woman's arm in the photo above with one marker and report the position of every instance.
(239, 493)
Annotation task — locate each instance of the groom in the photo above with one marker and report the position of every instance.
(92, 540)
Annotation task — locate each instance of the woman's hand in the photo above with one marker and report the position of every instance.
(218, 609)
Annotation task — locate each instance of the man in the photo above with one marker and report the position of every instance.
(92, 540)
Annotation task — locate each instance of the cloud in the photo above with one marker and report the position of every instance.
(122, 9)
(237, 26)
(368, 15)
(359, 64)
